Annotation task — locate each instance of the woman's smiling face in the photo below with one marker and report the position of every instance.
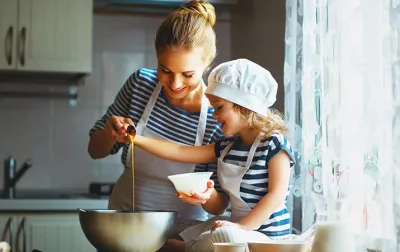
(180, 71)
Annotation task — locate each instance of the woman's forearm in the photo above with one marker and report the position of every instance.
(217, 203)
(100, 144)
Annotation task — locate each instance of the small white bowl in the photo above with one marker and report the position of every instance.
(230, 247)
(278, 246)
(190, 182)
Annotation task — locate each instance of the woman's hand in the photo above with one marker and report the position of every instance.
(117, 126)
(223, 223)
(198, 198)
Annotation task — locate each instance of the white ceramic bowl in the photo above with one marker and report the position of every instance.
(278, 246)
(190, 182)
(230, 247)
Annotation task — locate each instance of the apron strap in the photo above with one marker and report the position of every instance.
(253, 149)
(227, 148)
(147, 110)
(201, 128)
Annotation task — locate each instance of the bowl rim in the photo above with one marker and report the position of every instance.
(223, 244)
(190, 173)
(280, 242)
(122, 211)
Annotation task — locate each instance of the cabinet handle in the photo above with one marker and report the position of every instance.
(9, 45)
(21, 228)
(7, 229)
(24, 235)
(21, 49)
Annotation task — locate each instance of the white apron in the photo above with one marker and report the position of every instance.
(153, 190)
(230, 176)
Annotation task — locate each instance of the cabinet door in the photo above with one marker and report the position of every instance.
(52, 232)
(8, 31)
(7, 228)
(55, 35)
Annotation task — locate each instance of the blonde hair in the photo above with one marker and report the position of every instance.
(270, 124)
(190, 26)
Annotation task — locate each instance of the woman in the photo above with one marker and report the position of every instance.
(169, 104)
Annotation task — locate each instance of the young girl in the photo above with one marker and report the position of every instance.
(254, 161)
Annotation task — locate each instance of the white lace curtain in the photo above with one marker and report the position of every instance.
(342, 104)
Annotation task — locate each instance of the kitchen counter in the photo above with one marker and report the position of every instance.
(50, 200)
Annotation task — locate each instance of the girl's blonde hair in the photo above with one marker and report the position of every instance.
(272, 123)
(190, 26)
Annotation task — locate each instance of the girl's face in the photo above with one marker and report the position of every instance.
(180, 71)
(230, 120)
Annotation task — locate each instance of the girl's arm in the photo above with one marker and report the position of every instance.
(217, 203)
(278, 182)
(177, 152)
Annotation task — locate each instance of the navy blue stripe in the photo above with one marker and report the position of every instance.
(236, 146)
(259, 157)
(264, 185)
(248, 200)
(254, 192)
(276, 224)
(200, 168)
(259, 167)
(248, 176)
(236, 158)
(279, 213)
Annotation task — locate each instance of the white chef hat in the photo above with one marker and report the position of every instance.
(244, 83)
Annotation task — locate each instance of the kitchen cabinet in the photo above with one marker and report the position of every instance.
(46, 35)
(44, 231)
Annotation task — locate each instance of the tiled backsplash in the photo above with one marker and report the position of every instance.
(55, 136)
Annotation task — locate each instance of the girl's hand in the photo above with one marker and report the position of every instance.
(117, 127)
(223, 223)
(198, 198)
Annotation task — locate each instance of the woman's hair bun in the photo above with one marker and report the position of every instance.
(204, 8)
